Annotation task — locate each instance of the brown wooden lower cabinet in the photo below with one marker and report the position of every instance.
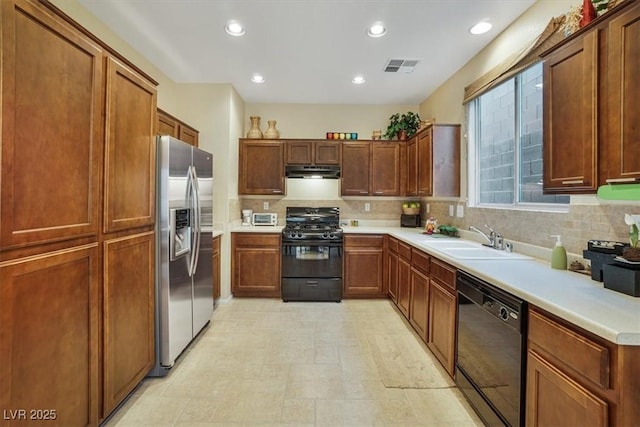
(255, 264)
(363, 273)
(49, 308)
(215, 265)
(392, 271)
(441, 338)
(577, 378)
(419, 302)
(555, 399)
(404, 286)
(129, 325)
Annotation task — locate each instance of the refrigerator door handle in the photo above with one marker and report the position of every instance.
(198, 217)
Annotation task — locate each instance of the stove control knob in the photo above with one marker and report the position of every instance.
(326, 235)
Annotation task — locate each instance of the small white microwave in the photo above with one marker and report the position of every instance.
(264, 219)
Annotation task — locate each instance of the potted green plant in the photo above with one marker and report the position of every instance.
(632, 253)
(402, 126)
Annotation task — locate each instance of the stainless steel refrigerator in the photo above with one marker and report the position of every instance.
(184, 219)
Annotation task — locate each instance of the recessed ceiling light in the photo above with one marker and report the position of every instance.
(377, 29)
(257, 78)
(234, 28)
(480, 28)
(358, 80)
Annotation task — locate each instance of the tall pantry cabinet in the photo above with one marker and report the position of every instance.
(76, 219)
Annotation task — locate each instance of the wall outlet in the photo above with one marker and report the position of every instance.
(367, 207)
(460, 211)
(450, 210)
(265, 206)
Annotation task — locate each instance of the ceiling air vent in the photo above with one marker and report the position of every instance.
(400, 65)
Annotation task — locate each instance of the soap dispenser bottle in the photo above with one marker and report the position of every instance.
(558, 255)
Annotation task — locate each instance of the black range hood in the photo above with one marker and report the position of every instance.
(321, 171)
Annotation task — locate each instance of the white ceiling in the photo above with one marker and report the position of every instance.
(308, 50)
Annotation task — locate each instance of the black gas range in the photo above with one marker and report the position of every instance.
(312, 255)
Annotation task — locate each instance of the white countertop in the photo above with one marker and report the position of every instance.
(574, 297)
(257, 228)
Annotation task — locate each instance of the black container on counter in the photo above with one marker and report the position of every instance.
(598, 259)
(625, 279)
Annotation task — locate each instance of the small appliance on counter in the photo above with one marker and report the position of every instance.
(601, 252)
(246, 217)
(410, 220)
(265, 218)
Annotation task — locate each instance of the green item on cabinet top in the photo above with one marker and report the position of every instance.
(619, 192)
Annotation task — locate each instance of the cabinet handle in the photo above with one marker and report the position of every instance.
(621, 180)
(379, 192)
(364, 192)
(276, 191)
(573, 181)
(312, 283)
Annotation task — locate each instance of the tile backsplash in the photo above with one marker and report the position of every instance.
(581, 223)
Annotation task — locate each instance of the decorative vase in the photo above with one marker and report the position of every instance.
(254, 132)
(402, 135)
(588, 13)
(271, 132)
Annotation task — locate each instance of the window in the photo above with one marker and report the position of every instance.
(505, 144)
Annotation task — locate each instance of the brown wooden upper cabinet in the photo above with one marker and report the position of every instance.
(312, 152)
(433, 161)
(372, 168)
(570, 76)
(130, 157)
(591, 112)
(261, 168)
(623, 92)
(52, 128)
(169, 125)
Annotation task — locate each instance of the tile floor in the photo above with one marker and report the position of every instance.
(262, 362)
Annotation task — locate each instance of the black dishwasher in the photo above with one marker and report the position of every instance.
(491, 351)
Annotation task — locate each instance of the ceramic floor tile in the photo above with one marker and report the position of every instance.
(263, 363)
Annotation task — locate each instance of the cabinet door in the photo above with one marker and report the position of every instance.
(49, 336)
(412, 166)
(52, 86)
(425, 160)
(261, 167)
(327, 153)
(385, 169)
(299, 152)
(355, 168)
(392, 271)
(570, 128)
(554, 399)
(129, 350)
(418, 311)
(364, 265)
(442, 324)
(167, 125)
(255, 265)
(188, 135)
(623, 92)
(130, 149)
(404, 286)
(215, 263)
(363, 272)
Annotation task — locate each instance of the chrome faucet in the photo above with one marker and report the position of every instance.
(495, 239)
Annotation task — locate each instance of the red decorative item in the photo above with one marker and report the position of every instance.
(588, 13)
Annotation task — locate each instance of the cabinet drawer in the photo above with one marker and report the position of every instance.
(393, 244)
(364, 240)
(420, 261)
(574, 351)
(404, 250)
(253, 239)
(444, 273)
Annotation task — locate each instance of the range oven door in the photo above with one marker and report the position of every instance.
(312, 271)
